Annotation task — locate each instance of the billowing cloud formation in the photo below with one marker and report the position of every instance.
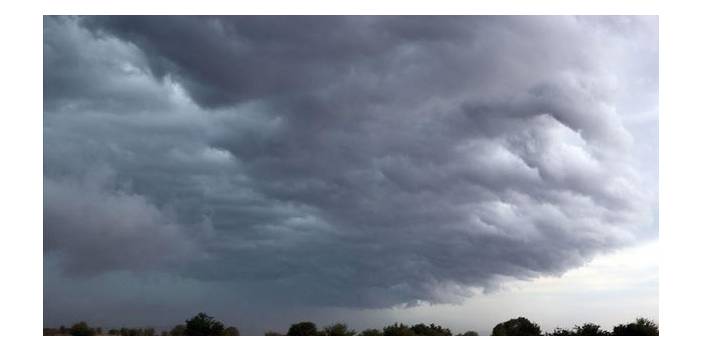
(347, 161)
(97, 231)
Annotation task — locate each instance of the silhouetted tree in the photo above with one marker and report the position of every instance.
(589, 329)
(517, 327)
(81, 329)
(178, 330)
(302, 329)
(202, 324)
(131, 332)
(642, 327)
(164, 333)
(51, 332)
(560, 332)
(371, 332)
(430, 330)
(398, 330)
(231, 331)
(338, 329)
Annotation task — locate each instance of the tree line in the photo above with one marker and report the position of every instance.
(205, 325)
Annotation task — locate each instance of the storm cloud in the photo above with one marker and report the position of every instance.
(347, 161)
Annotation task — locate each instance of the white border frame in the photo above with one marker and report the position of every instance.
(22, 144)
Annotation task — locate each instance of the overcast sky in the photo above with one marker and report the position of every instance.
(266, 170)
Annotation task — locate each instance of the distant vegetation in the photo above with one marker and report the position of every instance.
(202, 324)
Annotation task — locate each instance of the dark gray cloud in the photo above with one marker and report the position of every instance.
(346, 161)
(96, 230)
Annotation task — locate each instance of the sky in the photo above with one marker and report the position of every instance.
(267, 170)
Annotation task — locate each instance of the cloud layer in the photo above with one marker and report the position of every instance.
(347, 161)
